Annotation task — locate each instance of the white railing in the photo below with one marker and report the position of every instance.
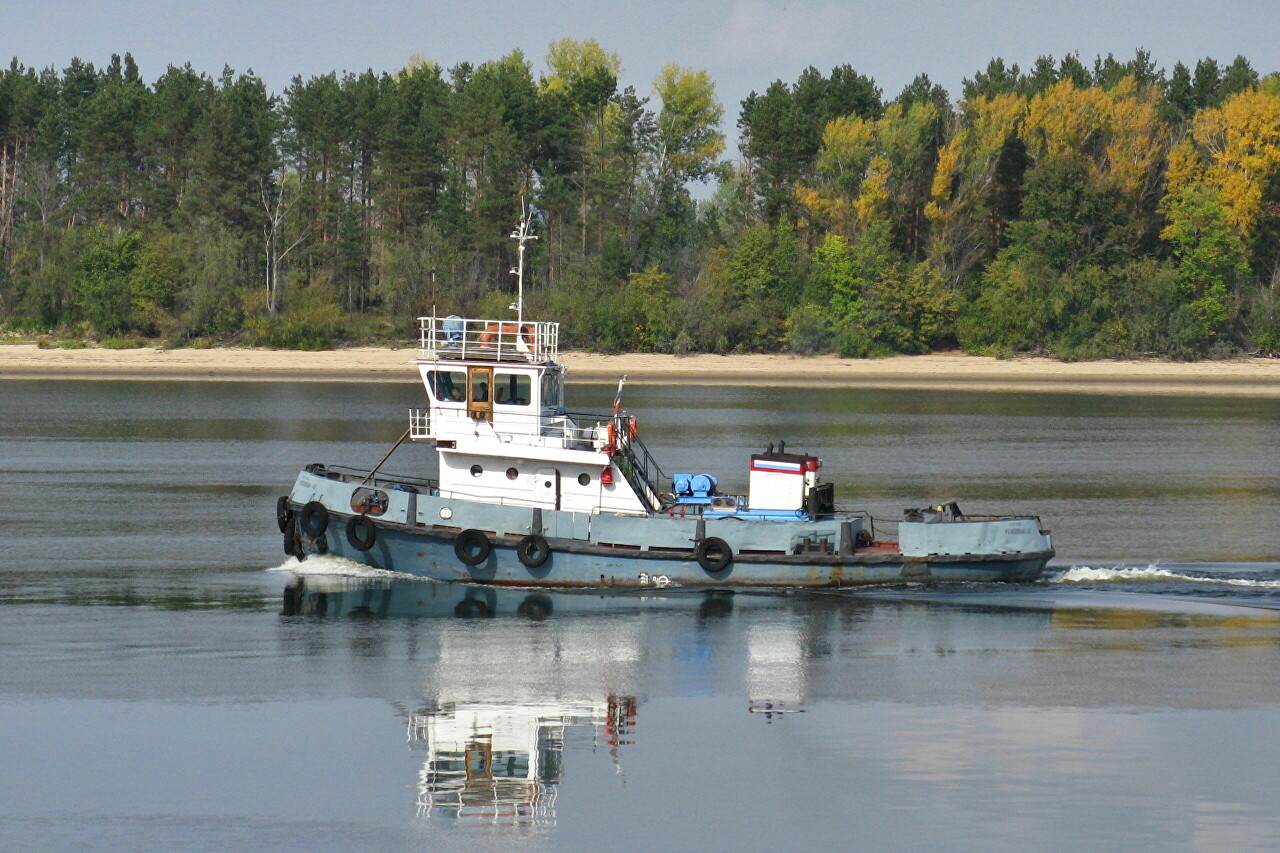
(488, 340)
(419, 423)
(530, 429)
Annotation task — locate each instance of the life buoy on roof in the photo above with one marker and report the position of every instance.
(500, 333)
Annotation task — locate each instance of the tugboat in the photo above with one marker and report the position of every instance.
(529, 494)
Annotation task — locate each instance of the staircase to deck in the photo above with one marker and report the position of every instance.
(638, 465)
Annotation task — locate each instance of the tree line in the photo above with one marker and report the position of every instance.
(1083, 211)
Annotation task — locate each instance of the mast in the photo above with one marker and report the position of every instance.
(521, 235)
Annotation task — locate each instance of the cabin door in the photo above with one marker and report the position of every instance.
(548, 487)
(480, 393)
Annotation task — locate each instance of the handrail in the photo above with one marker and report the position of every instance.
(642, 470)
(528, 428)
(488, 339)
(347, 474)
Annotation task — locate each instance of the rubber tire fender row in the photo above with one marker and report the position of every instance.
(472, 547)
(713, 554)
(533, 550)
(361, 532)
(314, 519)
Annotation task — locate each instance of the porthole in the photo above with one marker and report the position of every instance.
(584, 479)
(476, 470)
(512, 473)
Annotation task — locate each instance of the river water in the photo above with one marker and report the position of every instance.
(168, 681)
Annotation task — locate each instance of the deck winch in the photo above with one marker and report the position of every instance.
(694, 488)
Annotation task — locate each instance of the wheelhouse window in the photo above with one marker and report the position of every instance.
(512, 389)
(448, 386)
(552, 389)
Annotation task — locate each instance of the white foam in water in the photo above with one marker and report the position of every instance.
(325, 565)
(1085, 574)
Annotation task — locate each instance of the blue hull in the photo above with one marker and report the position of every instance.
(430, 553)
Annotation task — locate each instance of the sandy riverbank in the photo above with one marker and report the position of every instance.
(1241, 377)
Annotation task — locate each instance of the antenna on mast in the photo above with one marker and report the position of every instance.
(522, 236)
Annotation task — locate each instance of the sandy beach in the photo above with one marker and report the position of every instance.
(1240, 377)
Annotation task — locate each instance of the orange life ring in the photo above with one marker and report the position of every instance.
(632, 429)
(492, 332)
(609, 433)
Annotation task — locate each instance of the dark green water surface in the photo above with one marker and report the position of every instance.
(166, 683)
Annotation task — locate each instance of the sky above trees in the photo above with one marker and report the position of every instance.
(743, 44)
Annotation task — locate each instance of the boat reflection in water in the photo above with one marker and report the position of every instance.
(501, 763)
(494, 732)
(503, 680)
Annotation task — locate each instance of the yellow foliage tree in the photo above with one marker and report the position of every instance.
(965, 179)
(1234, 149)
(1118, 133)
(872, 170)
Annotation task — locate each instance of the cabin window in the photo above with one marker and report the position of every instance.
(369, 501)
(584, 479)
(447, 385)
(512, 389)
(512, 473)
(480, 387)
(476, 470)
(552, 391)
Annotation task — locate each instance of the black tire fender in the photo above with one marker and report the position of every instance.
(533, 550)
(361, 532)
(713, 554)
(292, 546)
(315, 519)
(284, 513)
(472, 547)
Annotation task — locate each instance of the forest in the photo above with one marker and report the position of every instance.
(1075, 209)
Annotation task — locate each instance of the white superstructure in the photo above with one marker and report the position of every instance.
(496, 412)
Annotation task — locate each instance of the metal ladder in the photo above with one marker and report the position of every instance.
(638, 465)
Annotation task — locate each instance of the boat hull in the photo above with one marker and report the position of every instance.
(429, 552)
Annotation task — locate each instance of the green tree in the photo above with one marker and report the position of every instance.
(109, 171)
(782, 128)
(235, 153)
(1211, 262)
(169, 138)
(103, 286)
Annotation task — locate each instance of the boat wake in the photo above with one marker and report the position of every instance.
(1128, 574)
(327, 565)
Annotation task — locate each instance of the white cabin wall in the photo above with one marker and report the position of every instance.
(493, 485)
